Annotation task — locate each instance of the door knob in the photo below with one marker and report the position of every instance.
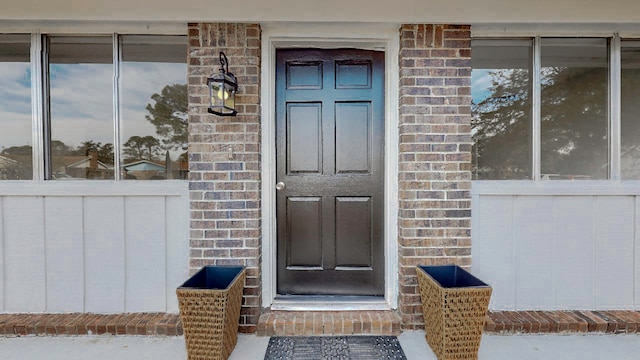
(280, 186)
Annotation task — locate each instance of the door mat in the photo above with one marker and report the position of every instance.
(334, 347)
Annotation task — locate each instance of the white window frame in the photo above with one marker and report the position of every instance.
(536, 186)
(613, 116)
(39, 76)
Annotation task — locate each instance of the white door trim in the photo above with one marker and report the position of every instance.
(383, 37)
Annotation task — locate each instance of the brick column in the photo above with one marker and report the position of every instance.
(434, 223)
(224, 159)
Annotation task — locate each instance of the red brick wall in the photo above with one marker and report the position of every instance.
(225, 193)
(434, 223)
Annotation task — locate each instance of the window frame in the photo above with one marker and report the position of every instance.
(40, 105)
(613, 99)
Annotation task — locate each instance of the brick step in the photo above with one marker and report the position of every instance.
(90, 324)
(317, 323)
(306, 323)
(576, 321)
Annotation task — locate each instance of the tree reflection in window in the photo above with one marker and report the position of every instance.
(630, 110)
(154, 127)
(501, 109)
(574, 109)
(79, 109)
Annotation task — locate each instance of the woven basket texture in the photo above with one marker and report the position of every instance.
(210, 320)
(454, 317)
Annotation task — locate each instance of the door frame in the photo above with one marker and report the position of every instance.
(381, 37)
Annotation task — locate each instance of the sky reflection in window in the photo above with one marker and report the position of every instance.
(153, 107)
(15, 108)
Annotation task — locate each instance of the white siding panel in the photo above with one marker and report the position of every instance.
(25, 254)
(492, 248)
(145, 254)
(573, 251)
(614, 252)
(3, 255)
(533, 231)
(177, 225)
(576, 245)
(65, 254)
(104, 254)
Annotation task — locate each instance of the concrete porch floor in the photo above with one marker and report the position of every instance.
(250, 347)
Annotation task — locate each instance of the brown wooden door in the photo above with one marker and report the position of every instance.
(330, 159)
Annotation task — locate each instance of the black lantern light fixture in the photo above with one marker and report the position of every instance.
(222, 90)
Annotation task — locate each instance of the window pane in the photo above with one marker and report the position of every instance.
(574, 109)
(81, 91)
(15, 108)
(630, 119)
(501, 107)
(153, 107)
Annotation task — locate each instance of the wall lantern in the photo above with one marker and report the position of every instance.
(222, 90)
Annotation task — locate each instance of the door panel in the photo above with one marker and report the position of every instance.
(353, 232)
(304, 75)
(329, 152)
(304, 216)
(304, 138)
(353, 74)
(353, 137)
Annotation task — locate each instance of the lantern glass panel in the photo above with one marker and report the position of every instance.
(216, 94)
(229, 98)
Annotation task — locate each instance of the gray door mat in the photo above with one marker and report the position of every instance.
(334, 347)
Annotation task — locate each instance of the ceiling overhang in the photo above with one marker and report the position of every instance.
(398, 11)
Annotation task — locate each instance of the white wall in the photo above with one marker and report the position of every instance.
(560, 245)
(101, 247)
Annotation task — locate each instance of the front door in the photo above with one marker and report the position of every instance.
(330, 171)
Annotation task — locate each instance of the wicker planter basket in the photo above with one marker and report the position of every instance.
(210, 304)
(454, 305)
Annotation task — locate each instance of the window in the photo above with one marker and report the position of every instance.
(153, 133)
(15, 108)
(574, 109)
(501, 103)
(630, 110)
(541, 109)
(110, 111)
(81, 107)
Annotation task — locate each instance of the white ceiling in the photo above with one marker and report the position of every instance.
(390, 11)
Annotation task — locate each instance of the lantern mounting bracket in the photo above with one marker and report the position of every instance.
(224, 62)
